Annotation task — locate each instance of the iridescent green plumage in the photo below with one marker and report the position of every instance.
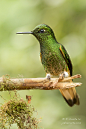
(54, 58)
(53, 55)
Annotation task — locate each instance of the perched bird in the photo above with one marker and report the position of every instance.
(55, 59)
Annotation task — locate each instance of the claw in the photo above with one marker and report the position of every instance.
(63, 75)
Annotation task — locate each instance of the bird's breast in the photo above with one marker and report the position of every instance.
(53, 63)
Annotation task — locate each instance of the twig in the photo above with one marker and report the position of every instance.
(36, 83)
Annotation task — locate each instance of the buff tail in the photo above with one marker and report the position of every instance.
(70, 96)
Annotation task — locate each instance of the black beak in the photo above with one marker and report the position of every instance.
(25, 32)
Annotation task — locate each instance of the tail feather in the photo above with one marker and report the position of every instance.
(70, 96)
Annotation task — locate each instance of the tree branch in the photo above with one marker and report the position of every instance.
(37, 83)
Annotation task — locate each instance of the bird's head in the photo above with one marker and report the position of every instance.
(41, 32)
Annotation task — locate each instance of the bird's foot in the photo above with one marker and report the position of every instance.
(51, 85)
(48, 76)
(63, 75)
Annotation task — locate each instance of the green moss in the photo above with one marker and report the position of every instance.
(20, 112)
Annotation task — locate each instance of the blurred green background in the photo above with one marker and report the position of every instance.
(19, 54)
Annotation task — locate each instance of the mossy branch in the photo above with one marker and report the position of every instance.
(6, 83)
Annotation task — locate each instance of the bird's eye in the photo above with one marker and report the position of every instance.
(42, 31)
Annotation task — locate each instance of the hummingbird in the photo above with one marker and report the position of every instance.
(55, 59)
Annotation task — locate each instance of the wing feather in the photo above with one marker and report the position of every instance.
(66, 57)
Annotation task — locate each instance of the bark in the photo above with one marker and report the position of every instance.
(6, 83)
